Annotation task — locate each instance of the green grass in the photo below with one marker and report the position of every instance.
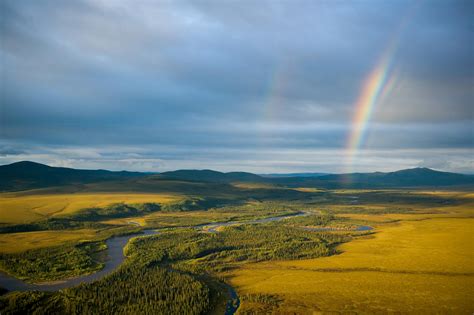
(432, 227)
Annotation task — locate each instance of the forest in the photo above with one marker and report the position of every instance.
(186, 267)
(130, 290)
(175, 271)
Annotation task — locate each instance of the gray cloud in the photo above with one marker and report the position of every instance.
(238, 77)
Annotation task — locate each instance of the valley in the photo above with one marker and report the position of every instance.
(234, 247)
(239, 157)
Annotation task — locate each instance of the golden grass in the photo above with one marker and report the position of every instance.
(18, 242)
(411, 267)
(308, 189)
(464, 210)
(255, 186)
(173, 219)
(450, 194)
(29, 208)
(162, 217)
(462, 195)
(358, 191)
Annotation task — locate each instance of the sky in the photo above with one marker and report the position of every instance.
(261, 86)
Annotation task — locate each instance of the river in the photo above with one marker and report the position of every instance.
(115, 257)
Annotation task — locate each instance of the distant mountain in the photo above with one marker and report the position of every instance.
(278, 175)
(211, 176)
(416, 177)
(28, 175)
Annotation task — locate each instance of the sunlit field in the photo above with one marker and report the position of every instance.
(418, 258)
(236, 157)
(22, 208)
(411, 266)
(182, 219)
(18, 242)
(173, 219)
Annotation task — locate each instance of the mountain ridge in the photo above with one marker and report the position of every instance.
(413, 177)
(210, 175)
(29, 175)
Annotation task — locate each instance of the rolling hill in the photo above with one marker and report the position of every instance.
(279, 175)
(28, 175)
(212, 176)
(415, 177)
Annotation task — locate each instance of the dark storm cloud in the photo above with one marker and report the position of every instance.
(240, 77)
(4, 151)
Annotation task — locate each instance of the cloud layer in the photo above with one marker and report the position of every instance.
(264, 86)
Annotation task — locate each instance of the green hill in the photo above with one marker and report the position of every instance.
(212, 176)
(28, 175)
(416, 177)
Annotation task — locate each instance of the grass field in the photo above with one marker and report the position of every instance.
(410, 267)
(419, 260)
(160, 219)
(18, 242)
(16, 208)
(174, 219)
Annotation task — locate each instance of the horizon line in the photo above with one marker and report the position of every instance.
(237, 171)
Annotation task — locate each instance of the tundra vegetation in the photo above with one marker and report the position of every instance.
(420, 251)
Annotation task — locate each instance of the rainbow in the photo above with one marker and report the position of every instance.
(376, 86)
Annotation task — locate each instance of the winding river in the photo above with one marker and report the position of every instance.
(115, 256)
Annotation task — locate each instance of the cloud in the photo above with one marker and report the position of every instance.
(10, 151)
(241, 76)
